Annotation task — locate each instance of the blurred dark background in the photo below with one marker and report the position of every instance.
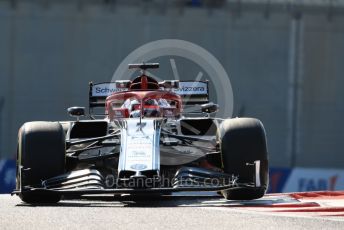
(285, 60)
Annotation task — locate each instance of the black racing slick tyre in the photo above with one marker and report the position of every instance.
(243, 145)
(40, 155)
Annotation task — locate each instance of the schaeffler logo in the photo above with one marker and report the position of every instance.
(172, 49)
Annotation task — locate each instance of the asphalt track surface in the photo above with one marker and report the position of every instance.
(168, 212)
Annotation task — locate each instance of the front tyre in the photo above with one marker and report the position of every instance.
(41, 155)
(243, 142)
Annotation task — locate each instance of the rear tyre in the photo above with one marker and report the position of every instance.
(242, 141)
(41, 154)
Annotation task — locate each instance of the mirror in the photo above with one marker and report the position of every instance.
(210, 108)
(76, 111)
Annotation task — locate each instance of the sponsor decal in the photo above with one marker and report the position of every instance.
(317, 184)
(106, 89)
(303, 180)
(191, 88)
(138, 167)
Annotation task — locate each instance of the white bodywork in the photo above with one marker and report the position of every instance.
(140, 149)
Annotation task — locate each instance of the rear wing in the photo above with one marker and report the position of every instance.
(192, 92)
